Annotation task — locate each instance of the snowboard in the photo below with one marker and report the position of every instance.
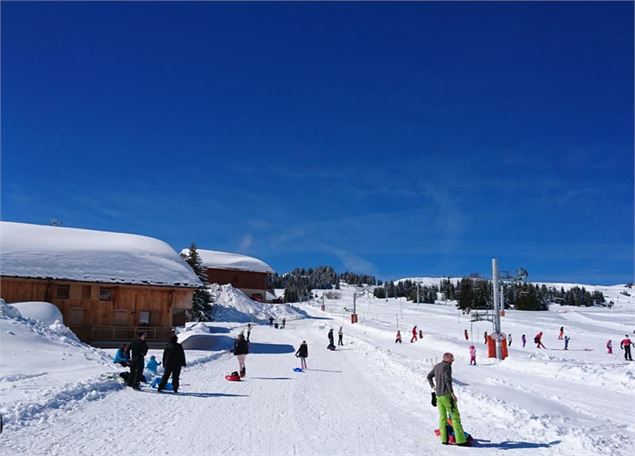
(451, 440)
(298, 369)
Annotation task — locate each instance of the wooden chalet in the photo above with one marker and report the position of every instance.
(108, 286)
(248, 274)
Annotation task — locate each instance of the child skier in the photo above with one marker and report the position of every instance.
(398, 337)
(414, 334)
(472, 355)
(566, 342)
(303, 354)
(153, 364)
(538, 340)
(561, 335)
(609, 347)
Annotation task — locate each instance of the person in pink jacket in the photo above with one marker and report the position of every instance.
(609, 347)
(472, 355)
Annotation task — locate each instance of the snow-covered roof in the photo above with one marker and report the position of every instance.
(224, 260)
(39, 251)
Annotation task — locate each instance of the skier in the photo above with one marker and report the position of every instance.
(625, 345)
(561, 335)
(398, 337)
(609, 347)
(241, 348)
(173, 361)
(122, 356)
(420, 334)
(303, 354)
(472, 355)
(524, 340)
(331, 340)
(284, 322)
(538, 340)
(467, 337)
(509, 340)
(446, 400)
(153, 364)
(566, 342)
(485, 335)
(138, 349)
(340, 337)
(414, 334)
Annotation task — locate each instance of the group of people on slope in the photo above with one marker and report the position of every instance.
(133, 356)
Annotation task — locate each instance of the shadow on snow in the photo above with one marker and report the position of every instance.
(511, 445)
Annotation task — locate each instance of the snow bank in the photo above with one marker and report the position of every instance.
(45, 366)
(39, 251)
(44, 312)
(224, 260)
(231, 304)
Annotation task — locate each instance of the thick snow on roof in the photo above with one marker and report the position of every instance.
(39, 251)
(225, 260)
(44, 312)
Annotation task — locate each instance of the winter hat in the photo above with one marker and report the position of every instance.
(153, 357)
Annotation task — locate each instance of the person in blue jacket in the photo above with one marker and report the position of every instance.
(122, 357)
(152, 364)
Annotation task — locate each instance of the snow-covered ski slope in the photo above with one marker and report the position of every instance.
(368, 397)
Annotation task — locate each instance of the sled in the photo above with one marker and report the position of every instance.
(450, 432)
(155, 384)
(298, 369)
(232, 378)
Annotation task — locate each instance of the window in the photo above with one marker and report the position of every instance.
(105, 294)
(76, 316)
(63, 291)
(144, 318)
(120, 318)
(85, 291)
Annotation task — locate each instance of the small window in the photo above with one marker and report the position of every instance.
(63, 291)
(144, 318)
(76, 316)
(105, 294)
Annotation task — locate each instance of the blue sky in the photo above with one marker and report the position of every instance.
(394, 139)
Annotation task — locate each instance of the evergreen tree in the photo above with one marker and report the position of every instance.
(201, 308)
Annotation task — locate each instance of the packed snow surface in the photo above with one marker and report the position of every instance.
(368, 397)
(39, 251)
(225, 260)
(44, 312)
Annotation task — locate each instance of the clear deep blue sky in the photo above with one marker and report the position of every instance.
(394, 139)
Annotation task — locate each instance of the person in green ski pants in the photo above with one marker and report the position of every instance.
(446, 400)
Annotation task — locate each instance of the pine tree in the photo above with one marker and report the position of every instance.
(201, 308)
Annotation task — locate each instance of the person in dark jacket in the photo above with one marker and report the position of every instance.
(138, 350)
(446, 400)
(303, 354)
(331, 340)
(241, 348)
(173, 361)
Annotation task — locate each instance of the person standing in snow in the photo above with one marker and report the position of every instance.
(241, 348)
(152, 364)
(270, 321)
(303, 354)
(523, 338)
(609, 347)
(467, 337)
(331, 339)
(509, 340)
(485, 336)
(398, 337)
(561, 335)
(138, 350)
(538, 340)
(340, 337)
(284, 322)
(420, 334)
(472, 355)
(121, 356)
(446, 400)
(414, 334)
(173, 361)
(625, 345)
(566, 342)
